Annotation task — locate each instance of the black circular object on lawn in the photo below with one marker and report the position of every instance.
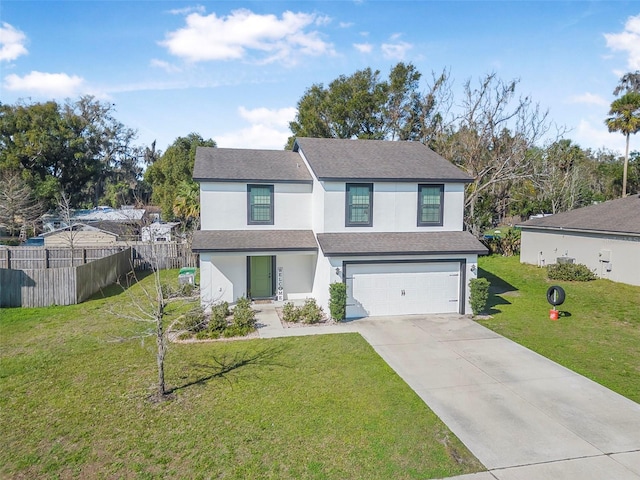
(555, 295)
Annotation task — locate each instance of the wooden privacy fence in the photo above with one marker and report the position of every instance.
(143, 256)
(61, 286)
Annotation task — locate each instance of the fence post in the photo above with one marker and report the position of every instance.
(8, 259)
(46, 258)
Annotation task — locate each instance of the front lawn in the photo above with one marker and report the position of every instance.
(75, 383)
(597, 334)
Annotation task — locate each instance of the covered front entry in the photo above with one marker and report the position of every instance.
(260, 277)
(390, 288)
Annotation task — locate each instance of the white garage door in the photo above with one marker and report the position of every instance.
(402, 288)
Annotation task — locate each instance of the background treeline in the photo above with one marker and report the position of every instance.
(521, 163)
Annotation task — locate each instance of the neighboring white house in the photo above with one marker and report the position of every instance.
(384, 217)
(159, 232)
(605, 237)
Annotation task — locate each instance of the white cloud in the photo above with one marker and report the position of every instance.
(166, 66)
(278, 118)
(589, 98)
(345, 24)
(209, 37)
(187, 10)
(363, 47)
(594, 134)
(268, 129)
(45, 84)
(396, 51)
(12, 42)
(627, 41)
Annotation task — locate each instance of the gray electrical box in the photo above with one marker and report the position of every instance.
(604, 255)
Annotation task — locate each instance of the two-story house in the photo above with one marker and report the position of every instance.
(384, 217)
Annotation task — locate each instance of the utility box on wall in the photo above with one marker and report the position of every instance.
(604, 255)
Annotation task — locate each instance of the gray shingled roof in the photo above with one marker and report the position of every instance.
(376, 160)
(246, 165)
(617, 216)
(406, 243)
(250, 240)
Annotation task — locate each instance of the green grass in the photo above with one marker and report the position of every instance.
(597, 335)
(74, 403)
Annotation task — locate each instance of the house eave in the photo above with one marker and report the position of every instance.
(405, 253)
(395, 180)
(548, 228)
(253, 249)
(250, 180)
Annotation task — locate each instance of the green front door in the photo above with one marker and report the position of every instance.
(261, 275)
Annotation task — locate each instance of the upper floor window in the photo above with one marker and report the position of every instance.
(430, 200)
(359, 205)
(260, 204)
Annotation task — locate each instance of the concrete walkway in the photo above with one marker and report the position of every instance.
(522, 415)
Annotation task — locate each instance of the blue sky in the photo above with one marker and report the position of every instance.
(234, 71)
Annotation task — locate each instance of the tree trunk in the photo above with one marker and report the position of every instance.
(625, 168)
(162, 349)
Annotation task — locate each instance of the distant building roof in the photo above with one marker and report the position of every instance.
(376, 160)
(78, 227)
(620, 216)
(110, 214)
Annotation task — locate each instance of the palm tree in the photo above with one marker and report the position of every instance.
(187, 202)
(625, 118)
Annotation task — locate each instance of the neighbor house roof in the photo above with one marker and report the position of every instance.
(401, 243)
(109, 214)
(246, 165)
(78, 227)
(252, 240)
(621, 216)
(376, 160)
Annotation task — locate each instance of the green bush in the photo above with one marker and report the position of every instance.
(507, 245)
(237, 331)
(10, 243)
(194, 321)
(311, 312)
(243, 315)
(576, 272)
(166, 291)
(219, 314)
(187, 289)
(479, 294)
(290, 313)
(338, 301)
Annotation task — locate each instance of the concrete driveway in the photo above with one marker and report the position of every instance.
(522, 415)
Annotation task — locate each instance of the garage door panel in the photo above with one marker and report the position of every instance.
(402, 289)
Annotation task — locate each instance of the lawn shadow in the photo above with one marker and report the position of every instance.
(221, 367)
(122, 285)
(497, 287)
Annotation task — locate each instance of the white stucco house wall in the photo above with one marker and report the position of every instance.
(605, 237)
(386, 218)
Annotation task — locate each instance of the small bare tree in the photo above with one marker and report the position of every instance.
(151, 308)
(66, 215)
(18, 205)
